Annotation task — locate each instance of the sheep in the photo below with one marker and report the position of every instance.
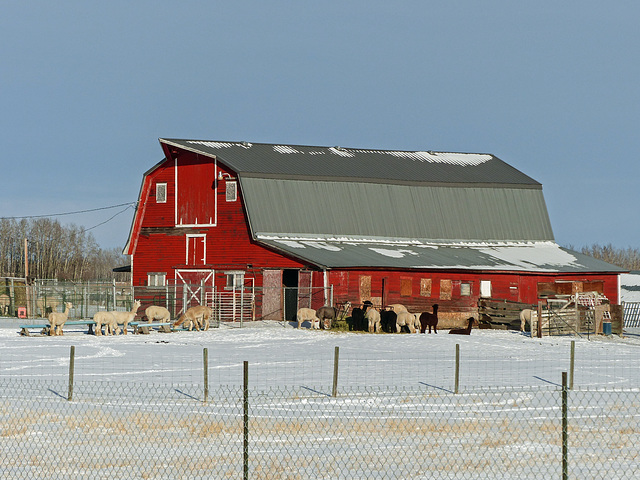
(197, 317)
(373, 317)
(429, 320)
(525, 317)
(110, 322)
(464, 331)
(124, 318)
(406, 319)
(305, 314)
(157, 313)
(57, 319)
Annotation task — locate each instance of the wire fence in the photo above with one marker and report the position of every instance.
(152, 431)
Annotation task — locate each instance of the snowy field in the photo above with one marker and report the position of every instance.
(138, 407)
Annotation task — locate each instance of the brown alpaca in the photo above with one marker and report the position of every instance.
(463, 331)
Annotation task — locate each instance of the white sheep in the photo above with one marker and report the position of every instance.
(305, 314)
(373, 317)
(123, 318)
(57, 319)
(109, 321)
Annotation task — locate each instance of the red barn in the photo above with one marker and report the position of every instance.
(290, 226)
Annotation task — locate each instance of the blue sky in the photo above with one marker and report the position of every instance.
(552, 88)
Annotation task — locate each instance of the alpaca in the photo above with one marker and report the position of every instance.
(388, 320)
(124, 318)
(305, 314)
(358, 316)
(463, 331)
(109, 321)
(408, 320)
(429, 320)
(57, 319)
(373, 318)
(525, 317)
(197, 317)
(398, 308)
(157, 313)
(326, 315)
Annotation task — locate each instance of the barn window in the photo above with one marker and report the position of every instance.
(405, 287)
(425, 287)
(465, 289)
(156, 279)
(446, 289)
(231, 190)
(485, 288)
(235, 280)
(161, 193)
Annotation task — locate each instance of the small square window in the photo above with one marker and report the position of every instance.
(465, 289)
(232, 190)
(156, 279)
(161, 193)
(235, 280)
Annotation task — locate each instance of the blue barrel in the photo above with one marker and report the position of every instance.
(606, 328)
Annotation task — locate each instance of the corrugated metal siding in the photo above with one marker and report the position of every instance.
(383, 165)
(374, 210)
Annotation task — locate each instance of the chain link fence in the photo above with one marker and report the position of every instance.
(153, 431)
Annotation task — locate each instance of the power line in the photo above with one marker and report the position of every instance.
(130, 204)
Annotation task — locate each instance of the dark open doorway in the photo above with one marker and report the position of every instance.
(290, 282)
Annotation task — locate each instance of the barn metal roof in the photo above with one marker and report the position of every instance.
(542, 257)
(365, 165)
(283, 207)
(348, 208)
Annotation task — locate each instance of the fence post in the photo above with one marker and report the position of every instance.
(457, 373)
(245, 446)
(205, 361)
(335, 371)
(572, 363)
(72, 355)
(565, 471)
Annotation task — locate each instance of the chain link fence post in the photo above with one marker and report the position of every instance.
(72, 356)
(245, 443)
(565, 474)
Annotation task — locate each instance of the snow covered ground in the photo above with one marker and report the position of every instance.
(138, 409)
(280, 355)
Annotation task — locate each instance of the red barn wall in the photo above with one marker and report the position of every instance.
(158, 245)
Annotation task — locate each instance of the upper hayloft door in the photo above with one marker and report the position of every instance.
(195, 191)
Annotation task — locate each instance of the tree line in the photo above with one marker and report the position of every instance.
(627, 258)
(55, 251)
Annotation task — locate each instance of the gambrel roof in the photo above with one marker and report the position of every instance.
(352, 207)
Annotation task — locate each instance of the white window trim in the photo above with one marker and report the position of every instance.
(156, 276)
(161, 186)
(238, 279)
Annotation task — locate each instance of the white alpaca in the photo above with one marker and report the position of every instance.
(57, 319)
(197, 317)
(308, 314)
(109, 321)
(157, 313)
(398, 308)
(525, 316)
(123, 318)
(409, 320)
(373, 317)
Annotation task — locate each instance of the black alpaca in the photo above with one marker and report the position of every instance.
(429, 320)
(388, 321)
(464, 331)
